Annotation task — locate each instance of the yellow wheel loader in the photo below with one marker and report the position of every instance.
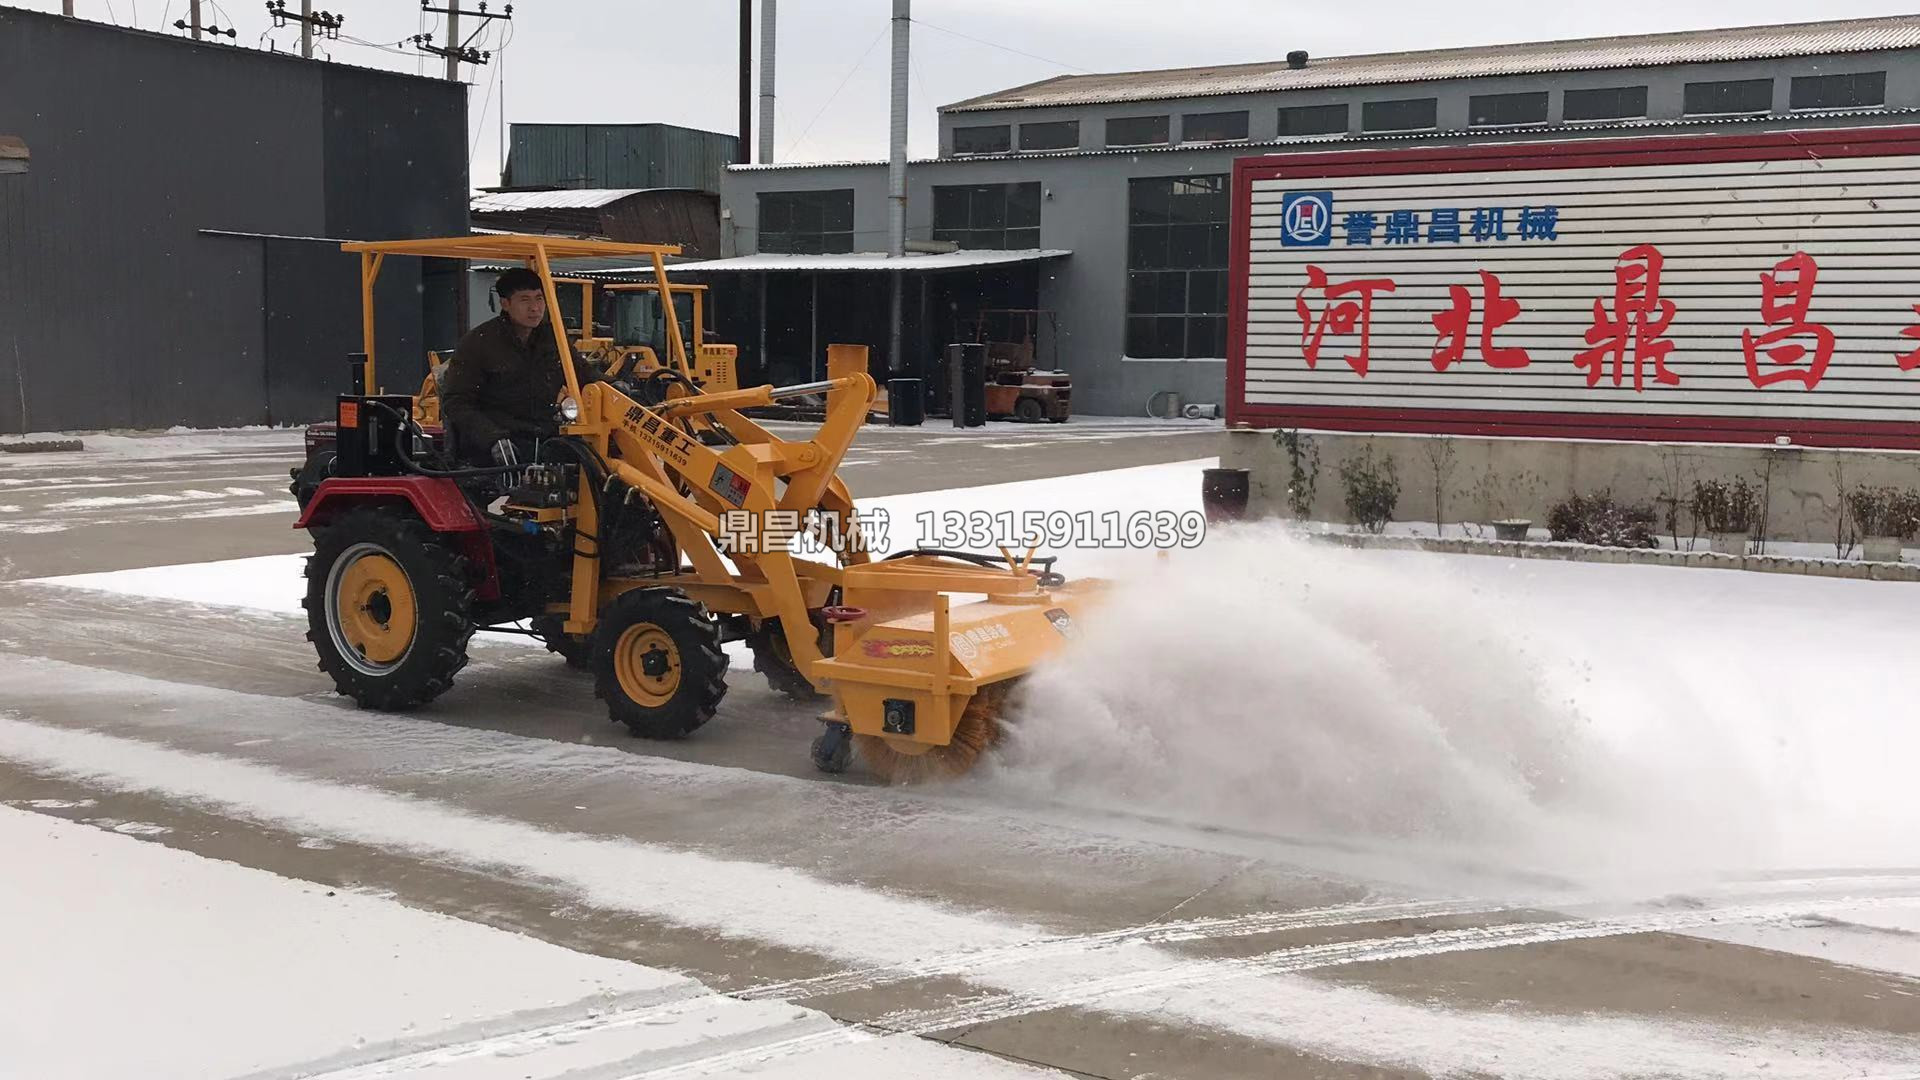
(658, 524)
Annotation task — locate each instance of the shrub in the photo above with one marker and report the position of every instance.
(1372, 489)
(1598, 519)
(1869, 507)
(1725, 506)
(1885, 511)
(1303, 463)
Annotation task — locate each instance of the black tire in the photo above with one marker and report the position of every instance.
(1029, 410)
(577, 652)
(832, 749)
(773, 659)
(307, 478)
(372, 556)
(658, 663)
(1061, 419)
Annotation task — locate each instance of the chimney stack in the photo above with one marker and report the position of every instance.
(1297, 59)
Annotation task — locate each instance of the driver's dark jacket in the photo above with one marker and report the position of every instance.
(498, 387)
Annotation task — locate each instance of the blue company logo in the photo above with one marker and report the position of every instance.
(1306, 219)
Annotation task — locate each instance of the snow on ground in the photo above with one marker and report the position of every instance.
(209, 969)
(1561, 715)
(1613, 721)
(1024, 969)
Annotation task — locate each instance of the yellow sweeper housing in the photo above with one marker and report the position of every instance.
(917, 651)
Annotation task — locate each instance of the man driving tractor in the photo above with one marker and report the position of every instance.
(500, 387)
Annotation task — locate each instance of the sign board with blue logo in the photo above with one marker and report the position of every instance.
(1719, 288)
(1306, 218)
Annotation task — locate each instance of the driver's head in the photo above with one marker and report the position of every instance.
(522, 297)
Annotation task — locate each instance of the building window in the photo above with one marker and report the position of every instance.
(1862, 90)
(1736, 98)
(1506, 110)
(1137, 131)
(1052, 135)
(988, 217)
(806, 222)
(1409, 114)
(1606, 103)
(1314, 120)
(1177, 267)
(1213, 127)
(996, 139)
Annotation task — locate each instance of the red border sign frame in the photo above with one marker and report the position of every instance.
(1579, 153)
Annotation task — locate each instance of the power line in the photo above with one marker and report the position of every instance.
(1002, 48)
(836, 91)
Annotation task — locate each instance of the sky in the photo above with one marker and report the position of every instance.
(672, 61)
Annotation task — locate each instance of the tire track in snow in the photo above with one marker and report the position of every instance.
(1099, 994)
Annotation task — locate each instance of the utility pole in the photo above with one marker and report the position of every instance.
(325, 21)
(744, 152)
(194, 16)
(455, 50)
(453, 42)
(897, 175)
(66, 8)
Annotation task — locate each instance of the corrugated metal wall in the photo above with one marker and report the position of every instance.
(618, 156)
(121, 309)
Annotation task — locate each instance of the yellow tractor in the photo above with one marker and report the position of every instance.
(647, 549)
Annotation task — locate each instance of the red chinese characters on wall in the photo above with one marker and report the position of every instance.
(1635, 327)
(1496, 311)
(1786, 294)
(1349, 305)
(1626, 340)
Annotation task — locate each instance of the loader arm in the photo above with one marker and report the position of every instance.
(693, 485)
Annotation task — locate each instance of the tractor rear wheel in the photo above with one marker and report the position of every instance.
(774, 659)
(389, 609)
(658, 663)
(552, 629)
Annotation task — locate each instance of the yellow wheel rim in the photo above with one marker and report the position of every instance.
(647, 663)
(375, 611)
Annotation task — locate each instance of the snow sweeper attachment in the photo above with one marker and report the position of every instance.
(917, 681)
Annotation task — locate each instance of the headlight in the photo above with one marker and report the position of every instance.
(569, 410)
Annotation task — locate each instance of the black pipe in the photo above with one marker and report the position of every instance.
(744, 153)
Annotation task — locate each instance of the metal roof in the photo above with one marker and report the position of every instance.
(869, 260)
(1811, 122)
(1629, 51)
(495, 202)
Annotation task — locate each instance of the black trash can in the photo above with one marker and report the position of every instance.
(1223, 494)
(906, 403)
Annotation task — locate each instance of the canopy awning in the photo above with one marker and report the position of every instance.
(867, 260)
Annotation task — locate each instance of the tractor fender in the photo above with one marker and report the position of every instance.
(438, 501)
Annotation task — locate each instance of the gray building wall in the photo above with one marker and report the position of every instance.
(128, 302)
(1084, 208)
(617, 156)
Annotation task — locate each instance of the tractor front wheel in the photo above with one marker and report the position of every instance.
(1029, 410)
(658, 663)
(388, 609)
(552, 629)
(773, 658)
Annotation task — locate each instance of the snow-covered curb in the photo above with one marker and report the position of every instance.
(1566, 552)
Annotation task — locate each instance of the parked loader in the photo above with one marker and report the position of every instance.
(612, 541)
